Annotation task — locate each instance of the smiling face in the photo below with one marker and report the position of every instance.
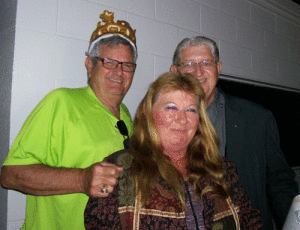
(176, 118)
(110, 84)
(208, 77)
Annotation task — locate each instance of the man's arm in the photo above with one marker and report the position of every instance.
(43, 180)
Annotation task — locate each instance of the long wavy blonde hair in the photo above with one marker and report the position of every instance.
(202, 158)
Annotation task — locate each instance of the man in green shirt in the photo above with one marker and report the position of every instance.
(56, 157)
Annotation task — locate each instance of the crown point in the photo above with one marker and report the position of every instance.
(107, 16)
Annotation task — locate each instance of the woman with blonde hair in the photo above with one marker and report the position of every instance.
(174, 176)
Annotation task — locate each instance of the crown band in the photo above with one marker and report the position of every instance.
(87, 53)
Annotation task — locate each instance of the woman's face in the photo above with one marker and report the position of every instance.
(176, 117)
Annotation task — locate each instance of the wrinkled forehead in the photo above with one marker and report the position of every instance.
(195, 52)
(110, 50)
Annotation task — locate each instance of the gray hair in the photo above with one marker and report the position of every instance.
(195, 41)
(112, 41)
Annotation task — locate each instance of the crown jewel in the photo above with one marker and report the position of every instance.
(121, 28)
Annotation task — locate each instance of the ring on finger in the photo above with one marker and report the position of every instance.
(104, 189)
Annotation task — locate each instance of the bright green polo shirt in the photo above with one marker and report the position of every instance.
(68, 128)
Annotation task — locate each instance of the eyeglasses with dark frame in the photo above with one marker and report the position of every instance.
(113, 64)
(190, 65)
(124, 131)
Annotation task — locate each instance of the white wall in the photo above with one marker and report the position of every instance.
(258, 39)
(7, 35)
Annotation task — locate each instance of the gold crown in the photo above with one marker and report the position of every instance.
(121, 28)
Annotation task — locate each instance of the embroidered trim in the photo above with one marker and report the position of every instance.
(235, 211)
(162, 213)
(152, 212)
(136, 215)
(225, 214)
(126, 209)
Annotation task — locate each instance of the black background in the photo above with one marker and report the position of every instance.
(283, 103)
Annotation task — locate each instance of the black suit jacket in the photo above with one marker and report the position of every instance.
(252, 143)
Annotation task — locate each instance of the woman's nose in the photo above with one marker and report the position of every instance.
(181, 117)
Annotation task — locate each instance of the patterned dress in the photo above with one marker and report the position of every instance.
(123, 210)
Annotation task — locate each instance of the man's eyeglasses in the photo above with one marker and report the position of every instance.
(124, 131)
(205, 64)
(113, 64)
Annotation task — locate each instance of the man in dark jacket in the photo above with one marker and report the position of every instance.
(248, 133)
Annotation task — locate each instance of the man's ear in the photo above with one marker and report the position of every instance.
(88, 64)
(219, 67)
(174, 69)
